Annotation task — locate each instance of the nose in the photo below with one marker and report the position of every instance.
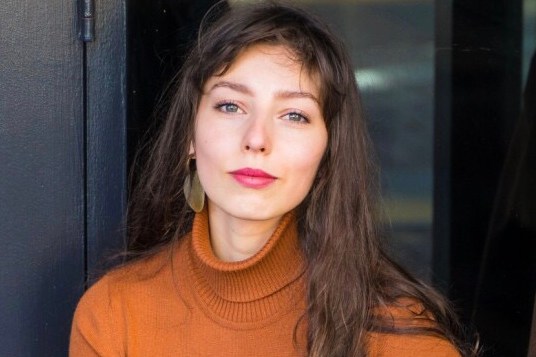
(258, 136)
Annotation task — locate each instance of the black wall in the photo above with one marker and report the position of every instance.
(485, 237)
(160, 33)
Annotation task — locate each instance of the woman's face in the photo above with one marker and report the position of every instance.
(259, 136)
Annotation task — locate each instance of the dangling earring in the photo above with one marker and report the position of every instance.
(193, 191)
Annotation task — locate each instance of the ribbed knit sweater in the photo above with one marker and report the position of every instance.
(184, 301)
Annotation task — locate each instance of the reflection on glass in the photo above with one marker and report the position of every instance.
(529, 35)
(391, 43)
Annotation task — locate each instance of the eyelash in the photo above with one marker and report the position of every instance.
(220, 106)
(304, 119)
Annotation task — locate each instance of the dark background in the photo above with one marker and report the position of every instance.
(66, 143)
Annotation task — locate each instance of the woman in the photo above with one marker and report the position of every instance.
(282, 257)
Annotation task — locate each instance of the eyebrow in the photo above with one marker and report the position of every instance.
(280, 94)
(232, 85)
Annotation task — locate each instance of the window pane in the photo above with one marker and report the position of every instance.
(529, 35)
(392, 46)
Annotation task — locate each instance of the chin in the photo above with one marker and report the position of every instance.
(249, 211)
(256, 214)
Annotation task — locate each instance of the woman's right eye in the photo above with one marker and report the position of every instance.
(228, 107)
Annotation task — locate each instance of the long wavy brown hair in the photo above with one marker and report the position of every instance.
(350, 278)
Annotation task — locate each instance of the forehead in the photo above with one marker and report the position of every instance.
(256, 60)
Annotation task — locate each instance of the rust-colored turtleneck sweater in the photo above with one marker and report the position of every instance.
(186, 302)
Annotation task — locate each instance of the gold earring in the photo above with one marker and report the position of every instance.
(193, 191)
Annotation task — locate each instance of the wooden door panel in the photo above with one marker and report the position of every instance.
(62, 172)
(106, 135)
(42, 173)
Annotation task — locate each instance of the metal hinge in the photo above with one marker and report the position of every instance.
(87, 20)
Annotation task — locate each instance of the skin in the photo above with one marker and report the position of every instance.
(263, 113)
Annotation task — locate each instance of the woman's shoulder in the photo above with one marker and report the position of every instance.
(102, 315)
(407, 345)
(133, 278)
(407, 329)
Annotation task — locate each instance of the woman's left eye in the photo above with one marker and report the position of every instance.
(297, 117)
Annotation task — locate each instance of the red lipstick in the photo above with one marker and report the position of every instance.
(253, 178)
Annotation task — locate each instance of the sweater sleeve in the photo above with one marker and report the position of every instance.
(95, 330)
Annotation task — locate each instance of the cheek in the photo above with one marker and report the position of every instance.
(213, 151)
(306, 160)
(207, 141)
(208, 154)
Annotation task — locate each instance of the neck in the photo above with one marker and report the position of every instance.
(234, 239)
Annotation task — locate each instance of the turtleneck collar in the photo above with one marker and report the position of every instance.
(253, 289)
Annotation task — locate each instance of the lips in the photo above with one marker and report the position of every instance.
(253, 178)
